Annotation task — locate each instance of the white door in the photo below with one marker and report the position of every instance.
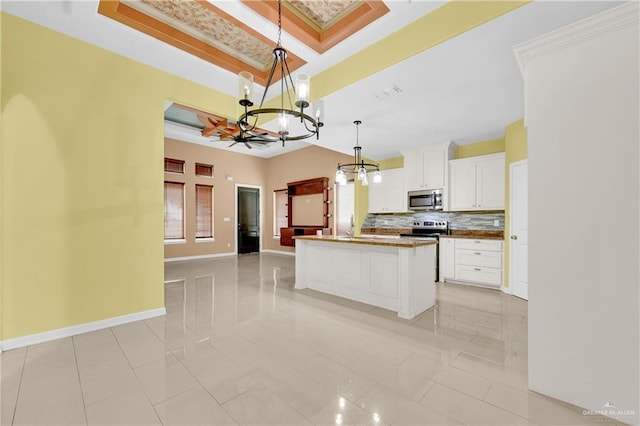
(518, 217)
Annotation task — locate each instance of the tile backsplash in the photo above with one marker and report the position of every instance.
(457, 220)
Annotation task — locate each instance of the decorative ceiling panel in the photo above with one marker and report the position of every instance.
(195, 19)
(324, 13)
(200, 28)
(321, 24)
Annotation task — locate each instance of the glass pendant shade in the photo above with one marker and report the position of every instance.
(303, 87)
(362, 173)
(318, 110)
(365, 180)
(341, 177)
(245, 86)
(377, 177)
(283, 124)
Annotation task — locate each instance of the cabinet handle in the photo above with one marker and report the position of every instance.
(514, 237)
(477, 241)
(477, 269)
(477, 253)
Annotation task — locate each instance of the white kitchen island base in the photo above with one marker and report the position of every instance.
(391, 274)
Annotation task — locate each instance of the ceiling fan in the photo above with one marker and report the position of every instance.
(229, 130)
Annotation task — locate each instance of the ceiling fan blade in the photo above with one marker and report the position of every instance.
(209, 131)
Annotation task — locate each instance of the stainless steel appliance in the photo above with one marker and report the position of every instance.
(429, 199)
(430, 229)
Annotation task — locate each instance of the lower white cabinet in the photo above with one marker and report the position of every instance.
(447, 255)
(474, 261)
(394, 277)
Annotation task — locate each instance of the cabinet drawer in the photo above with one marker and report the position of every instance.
(488, 245)
(490, 276)
(491, 259)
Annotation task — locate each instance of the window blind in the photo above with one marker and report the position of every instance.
(204, 211)
(344, 207)
(173, 210)
(204, 170)
(173, 166)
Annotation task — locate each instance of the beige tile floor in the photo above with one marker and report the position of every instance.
(240, 346)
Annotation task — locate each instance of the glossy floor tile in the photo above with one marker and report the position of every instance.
(239, 345)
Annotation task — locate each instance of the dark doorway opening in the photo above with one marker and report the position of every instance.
(248, 220)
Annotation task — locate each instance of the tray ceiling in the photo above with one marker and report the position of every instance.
(200, 28)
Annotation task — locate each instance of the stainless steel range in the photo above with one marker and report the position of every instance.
(430, 229)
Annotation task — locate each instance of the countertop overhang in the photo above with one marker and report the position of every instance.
(389, 242)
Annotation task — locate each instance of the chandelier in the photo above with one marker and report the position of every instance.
(247, 123)
(358, 167)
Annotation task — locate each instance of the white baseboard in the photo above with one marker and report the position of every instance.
(287, 253)
(202, 256)
(60, 333)
(506, 290)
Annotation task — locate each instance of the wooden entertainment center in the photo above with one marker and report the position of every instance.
(307, 209)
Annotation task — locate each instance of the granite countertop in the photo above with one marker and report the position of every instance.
(475, 234)
(385, 231)
(374, 241)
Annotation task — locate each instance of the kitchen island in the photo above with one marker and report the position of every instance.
(392, 273)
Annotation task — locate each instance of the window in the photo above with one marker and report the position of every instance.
(173, 166)
(344, 208)
(204, 211)
(280, 220)
(173, 211)
(204, 170)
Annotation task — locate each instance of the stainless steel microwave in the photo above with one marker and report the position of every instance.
(430, 199)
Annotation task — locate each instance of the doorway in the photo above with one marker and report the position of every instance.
(519, 229)
(248, 219)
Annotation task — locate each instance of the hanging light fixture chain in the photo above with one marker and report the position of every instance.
(279, 44)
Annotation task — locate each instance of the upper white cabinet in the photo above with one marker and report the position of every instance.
(426, 167)
(389, 195)
(477, 183)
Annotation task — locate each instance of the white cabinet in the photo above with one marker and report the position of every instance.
(473, 261)
(477, 183)
(389, 195)
(447, 254)
(397, 278)
(426, 167)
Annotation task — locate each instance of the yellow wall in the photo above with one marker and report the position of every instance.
(515, 137)
(81, 172)
(391, 163)
(480, 148)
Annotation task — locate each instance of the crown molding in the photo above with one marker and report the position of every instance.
(606, 22)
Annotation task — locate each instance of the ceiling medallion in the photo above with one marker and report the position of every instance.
(247, 122)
